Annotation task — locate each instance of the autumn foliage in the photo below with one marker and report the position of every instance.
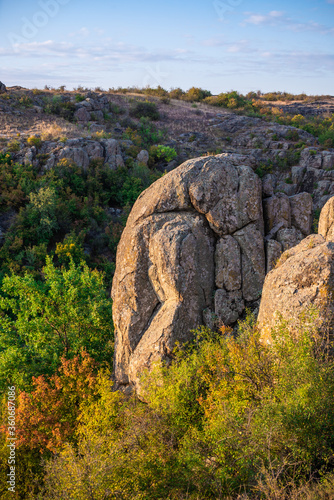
(47, 417)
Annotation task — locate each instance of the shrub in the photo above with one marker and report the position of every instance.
(176, 93)
(145, 109)
(26, 102)
(195, 94)
(79, 97)
(14, 146)
(33, 140)
(43, 321)
(226, 414)
(160, 152)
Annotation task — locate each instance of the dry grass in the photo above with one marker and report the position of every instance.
(32, 123)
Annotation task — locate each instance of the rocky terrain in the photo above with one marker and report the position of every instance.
(199, 241)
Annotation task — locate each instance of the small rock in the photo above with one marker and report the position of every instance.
(268, 183)
(228, 306)
(143, 157)
(301, 212)
(273, 251)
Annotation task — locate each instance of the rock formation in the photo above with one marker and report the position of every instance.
(303, 277)
(193, 251)
(2, 88)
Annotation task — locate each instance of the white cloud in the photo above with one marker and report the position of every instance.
(218, 41)
(106, 50)
(278, 18)
(273, 17)
(82, 32)
(241, 46)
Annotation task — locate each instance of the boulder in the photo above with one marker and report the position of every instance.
(178, 231)
(277, 211)
(192, 252)
(113, 153)
(253, 261)
(289, 238)
(228, 264)
(3, 88)
(143, 156)
(301, 212)
(273, 253)
(326, 221)
(82, 115)
(303, 278)
(77, 155)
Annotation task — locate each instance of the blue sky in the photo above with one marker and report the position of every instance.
(214, 44)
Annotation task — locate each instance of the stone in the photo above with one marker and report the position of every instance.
(169, 300)
(228, 306)
(229, 199)
(113, 153)
(165, 265)
(253, 261)
(305, 278)
(143, 156)
(94, 150)
(3, 88)
(228, 264)
(82, 115)
(77, 155)
(268, 184)
(301, 212)
(326, 221)
(209, 318)
(311, 157)
(297, 174)
(273, 253)
(96, 116)
(276, 211)
(288, 189)
(289, 238)
(327, 160)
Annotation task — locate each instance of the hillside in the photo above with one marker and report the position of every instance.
(187, 205)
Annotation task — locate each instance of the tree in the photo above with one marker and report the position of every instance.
(43, 321)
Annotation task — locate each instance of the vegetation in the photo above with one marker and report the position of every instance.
(231, 415)
(230, 418)
(66, 204)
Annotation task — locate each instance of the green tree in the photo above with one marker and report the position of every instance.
(44, 320)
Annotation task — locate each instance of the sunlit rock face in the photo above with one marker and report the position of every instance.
(193, 252)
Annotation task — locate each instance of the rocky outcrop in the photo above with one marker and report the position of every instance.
(193, 251)
(3, 88)
(304, 276)
(80, 151)
(326, 221)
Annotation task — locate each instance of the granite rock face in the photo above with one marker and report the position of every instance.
(303, 277)
(193, 252)
(326, 221)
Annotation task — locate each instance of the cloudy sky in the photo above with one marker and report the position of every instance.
(214, 44)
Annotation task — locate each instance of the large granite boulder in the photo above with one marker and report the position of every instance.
(303, 277)
(192, 252)
(193, 242)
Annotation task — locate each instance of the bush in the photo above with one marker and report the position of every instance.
(14, 146)
(145, 109)
(33, 140)
(196, 94)
(160, 152)
(43, 321)
(226, 417)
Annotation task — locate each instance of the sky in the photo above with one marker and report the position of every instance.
(218, 45)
